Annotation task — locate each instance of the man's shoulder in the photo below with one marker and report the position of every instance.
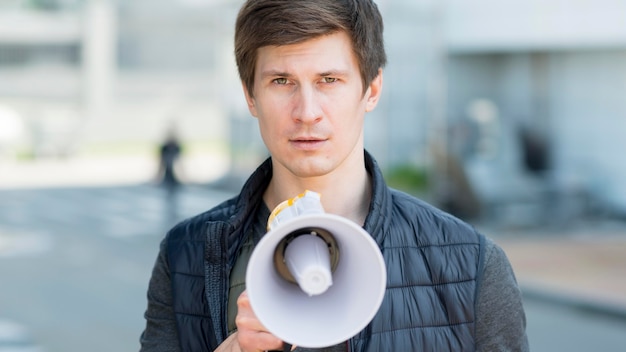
(422, 208)
(429, 219)
(195, 228)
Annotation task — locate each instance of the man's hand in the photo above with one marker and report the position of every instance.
(229, 345)
(251, 334)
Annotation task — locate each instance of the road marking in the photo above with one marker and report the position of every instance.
(14, 244)
(16, 338)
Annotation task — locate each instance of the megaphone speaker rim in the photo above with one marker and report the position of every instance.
(333, 317)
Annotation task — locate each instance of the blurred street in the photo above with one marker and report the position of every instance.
(75, 264)
(572, 281)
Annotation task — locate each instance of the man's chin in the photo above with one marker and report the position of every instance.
(309, 169)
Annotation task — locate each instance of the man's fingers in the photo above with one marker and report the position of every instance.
(252, 335)
(229, 345)
(243, 301)
(248, 322)
(263, 341)
(246, 319)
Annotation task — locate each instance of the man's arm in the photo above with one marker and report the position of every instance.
(500, 317)
(160, 334)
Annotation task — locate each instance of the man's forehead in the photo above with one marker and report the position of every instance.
(335, 50)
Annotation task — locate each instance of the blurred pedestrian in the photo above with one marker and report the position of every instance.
(169, 154)
(535, 151)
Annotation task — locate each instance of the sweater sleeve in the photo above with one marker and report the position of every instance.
(500, 317)
(160, 334)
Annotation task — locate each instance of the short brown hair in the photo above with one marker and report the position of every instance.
(282, 22)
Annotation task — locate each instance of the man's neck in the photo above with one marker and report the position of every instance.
(347, 195)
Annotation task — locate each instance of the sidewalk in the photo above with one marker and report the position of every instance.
(103, 171)
(580, 267)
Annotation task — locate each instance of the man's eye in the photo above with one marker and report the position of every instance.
(330, 79)
(280, 80)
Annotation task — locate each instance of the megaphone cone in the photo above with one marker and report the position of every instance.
(330, 312)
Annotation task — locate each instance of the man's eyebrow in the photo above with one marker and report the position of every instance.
(274, 73)
(278, 73)
(334, 73)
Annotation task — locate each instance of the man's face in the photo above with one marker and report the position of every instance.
(309, 101)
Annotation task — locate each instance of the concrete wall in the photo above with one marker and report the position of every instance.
(489, 25)
(559, 66)
(574, 97)
(398, 131)
(588, 110)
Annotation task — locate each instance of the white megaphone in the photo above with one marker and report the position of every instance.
(315, 279)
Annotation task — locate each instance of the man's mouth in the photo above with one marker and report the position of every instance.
(308, 143)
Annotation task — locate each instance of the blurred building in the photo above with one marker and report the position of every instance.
(484, 81)
(39, 50)
(555, 70)
(105, 71)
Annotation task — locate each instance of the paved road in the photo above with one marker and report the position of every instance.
(75, 263)
(553, 327)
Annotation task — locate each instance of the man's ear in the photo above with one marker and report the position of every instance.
(249, 100)
(374, 91)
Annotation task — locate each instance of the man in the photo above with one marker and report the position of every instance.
(310, 71)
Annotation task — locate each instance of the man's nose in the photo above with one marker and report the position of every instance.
(308, 108)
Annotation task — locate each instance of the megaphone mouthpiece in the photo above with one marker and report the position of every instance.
(324, 242)
(308, 260)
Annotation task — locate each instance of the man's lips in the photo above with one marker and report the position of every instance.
(307, 143)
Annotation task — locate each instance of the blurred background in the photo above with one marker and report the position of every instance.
(509, 114)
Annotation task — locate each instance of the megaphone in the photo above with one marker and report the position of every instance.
(315, 279)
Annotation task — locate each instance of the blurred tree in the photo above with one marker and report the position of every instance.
(408, 178)
(50, 5)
